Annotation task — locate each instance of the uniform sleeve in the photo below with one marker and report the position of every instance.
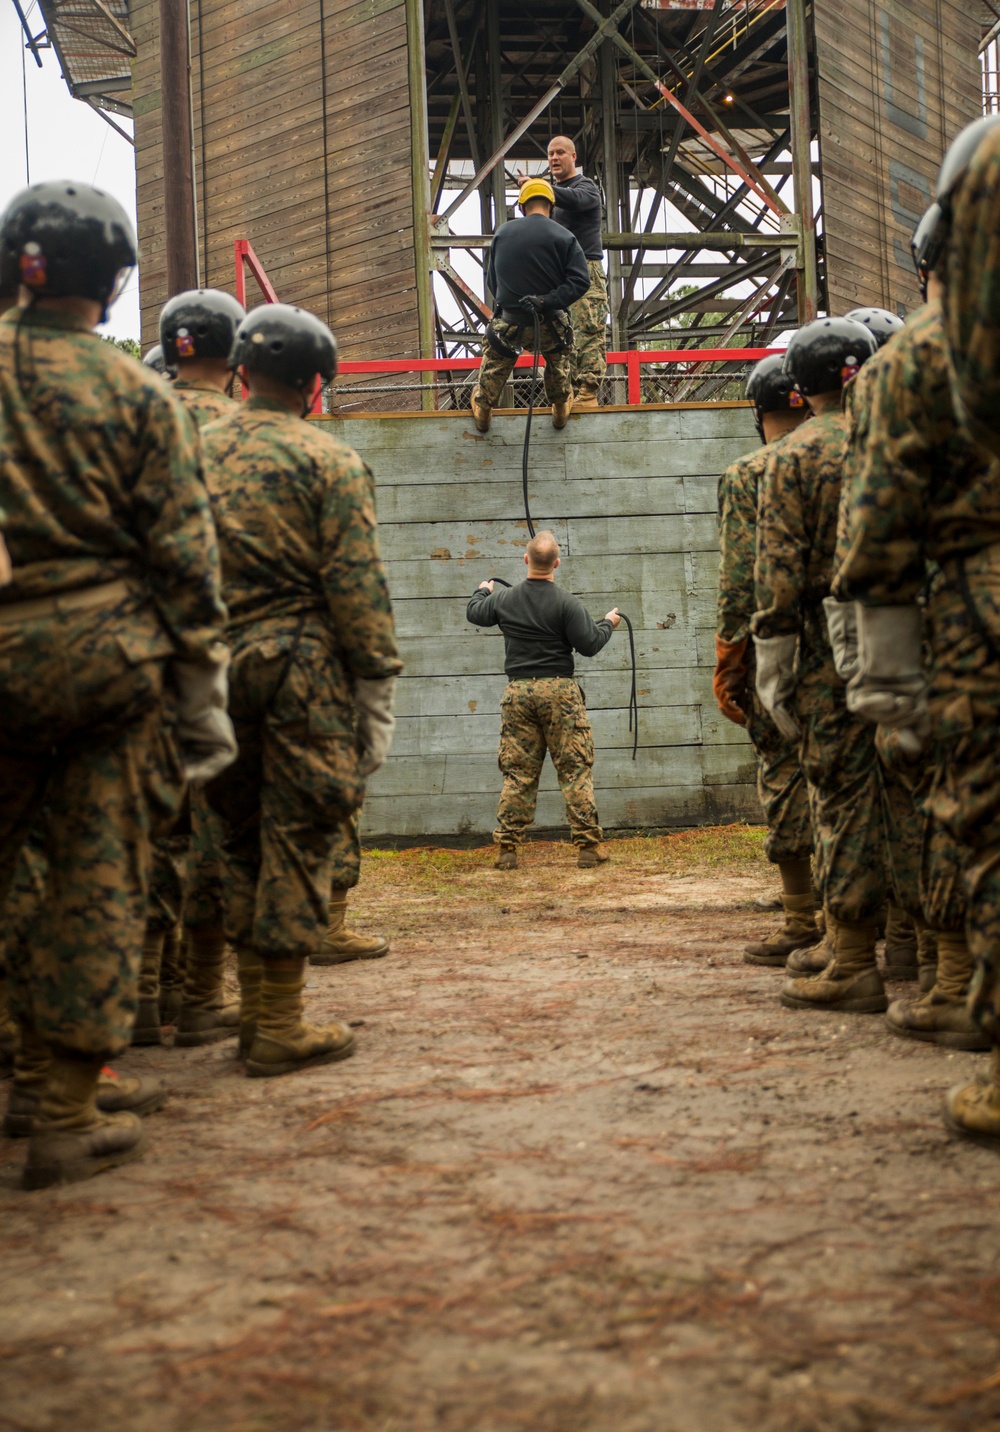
(577, 279)
(780, 570)
(972, 299)
(737, 551)
(482, 608)
(491, 272)
(174, 521)
(581, 198)
(888, 472)
(352, 573)
(584, 634)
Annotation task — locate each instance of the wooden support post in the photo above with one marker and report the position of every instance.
(609, 120)
(420, 164)
(498, 176)
(178, 169)
(800, 118)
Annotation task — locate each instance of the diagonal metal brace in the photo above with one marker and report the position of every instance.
(607, 28)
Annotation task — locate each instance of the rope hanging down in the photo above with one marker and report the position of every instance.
(527, 426)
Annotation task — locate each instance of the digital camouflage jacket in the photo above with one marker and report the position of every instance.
(972, 298)
(739, 494)
(100, 477)
(205, 404)
(296, 519)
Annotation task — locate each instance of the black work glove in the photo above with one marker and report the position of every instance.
(533, 303)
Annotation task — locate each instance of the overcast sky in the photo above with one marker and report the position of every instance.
(66, 140)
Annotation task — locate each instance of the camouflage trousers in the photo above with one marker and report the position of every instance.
(88, 779)
(496, 367)
(838, 758)
(539, 715)
(781, 786)
(166, 881)
(965, 788)
(590, 329)
(287, 804)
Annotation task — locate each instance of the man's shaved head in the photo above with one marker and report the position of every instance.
(563, 141)
(542, 552)
(561, 155)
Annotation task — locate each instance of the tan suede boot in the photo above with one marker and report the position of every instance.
(850, 983)
(507, 858)
(284, 1043)
(340, 944)
(146, 1029)
(482, 412)
(71, 1138)
(31, 1066)
(941, 1017)
(585, 399)
(900, 945)
(172, 968)
(8, 1030)
(206, 1015)
(249, 970)
(973, 1110)
(591, 856)
(561, 412)
(927, 957)
(798, 932)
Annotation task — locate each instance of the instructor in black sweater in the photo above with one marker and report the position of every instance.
(543, 707)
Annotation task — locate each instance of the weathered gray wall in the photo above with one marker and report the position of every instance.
(631, 497)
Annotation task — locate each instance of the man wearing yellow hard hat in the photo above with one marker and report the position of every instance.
(536, 270)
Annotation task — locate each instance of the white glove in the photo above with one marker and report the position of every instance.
(842, 625)
(376, 723)
(889, 686)
(775, 680)
(204, 732)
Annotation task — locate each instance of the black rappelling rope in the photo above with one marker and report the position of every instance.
(633, 698)
(527, 426)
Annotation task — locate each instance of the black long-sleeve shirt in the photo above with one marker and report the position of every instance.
(536, 255)
(542, 627)
(580, 208)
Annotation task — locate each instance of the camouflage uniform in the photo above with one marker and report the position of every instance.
(538, 715)
(590, 329)
(920, 491)
(116, 571)
(309, 610)
(781, 786)
(972, 294)
(496, 367)
(796, 539)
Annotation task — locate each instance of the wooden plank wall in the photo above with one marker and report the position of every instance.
(632, 499)
(302, 146)
(897, 80)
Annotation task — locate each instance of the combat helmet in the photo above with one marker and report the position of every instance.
(825, 354)
(65, 239)
(286, 344)
(879, 321)
(924, 239)
(771, 390)
(154, 359)
(953, 167)
(200, 323)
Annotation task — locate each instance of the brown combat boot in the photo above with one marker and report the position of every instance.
(116, 1093)
(250, 971)
(507, 858)
(8, 1030)
(206, 1015)
(927, 958)
(71, 1138)
(585, 399)
(851, 983)
(172, 968)
(593, 855)
(812, 959)
(799, 932)
(561, 412)
(482, 411)
(341, 944)
(941, 1016)
(146, 1029)
(973, 1110)
(900, 945)
(283, 1042)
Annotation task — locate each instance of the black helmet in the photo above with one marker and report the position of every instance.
(201, 323)
(154, 359)
(286, 344)
(879, 321)
(66, 240)
(826, 354)
(927, 244)
(771, 390)
(959, 156)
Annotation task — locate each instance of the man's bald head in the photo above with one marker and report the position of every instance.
(562, 158)
(542, 553)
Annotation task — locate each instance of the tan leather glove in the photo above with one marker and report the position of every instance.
(729, 683)
(776, 681)
(205, 738)
(376, 723)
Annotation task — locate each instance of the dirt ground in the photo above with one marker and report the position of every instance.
(584, 1172)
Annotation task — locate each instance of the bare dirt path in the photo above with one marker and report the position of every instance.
(583, 1173)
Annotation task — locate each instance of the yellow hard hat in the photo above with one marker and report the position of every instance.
(536, 189)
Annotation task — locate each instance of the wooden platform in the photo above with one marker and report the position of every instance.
(631, 496)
